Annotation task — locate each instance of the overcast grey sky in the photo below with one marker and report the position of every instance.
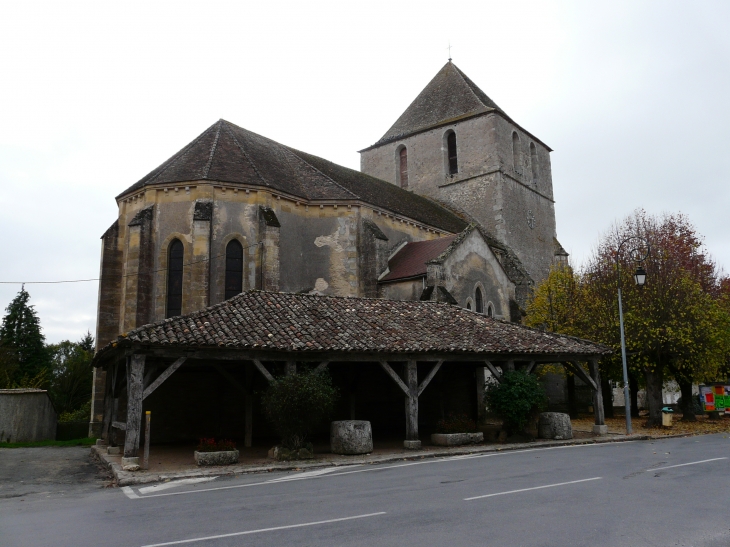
(632, 96)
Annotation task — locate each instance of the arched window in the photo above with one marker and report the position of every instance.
(478, 301)
(403, 167)
(516, 156)
(234, 268)
(533, 163)
(490, 311)
(468, 306)
(175, 257)
(452, 157)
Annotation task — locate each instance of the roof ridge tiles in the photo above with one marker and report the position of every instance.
(206, 169)
(245, 153)
(296, 153)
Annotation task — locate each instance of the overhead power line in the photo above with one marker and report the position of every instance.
(127, 275)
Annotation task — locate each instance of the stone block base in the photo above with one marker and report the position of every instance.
(456, 439)
(554, 425)
(113, 450)
(130, 464)
(222, 457)
(600, 430)
(412, 445)
(351, 437)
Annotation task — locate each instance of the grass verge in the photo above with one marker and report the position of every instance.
(73, 442)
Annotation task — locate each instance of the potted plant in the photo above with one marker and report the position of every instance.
(212, 452)
(455, 430)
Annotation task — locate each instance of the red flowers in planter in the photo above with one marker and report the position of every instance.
(211, 445)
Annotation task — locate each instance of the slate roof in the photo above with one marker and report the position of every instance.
(268, 321)
(227, 153)
(410, 261)
(449, 96)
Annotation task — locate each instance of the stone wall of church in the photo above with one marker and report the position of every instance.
(472, 265)
(494, 183)
(315, 248)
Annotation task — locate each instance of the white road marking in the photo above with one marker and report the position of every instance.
(307, 474)
(381, 468)
(274, 529)
(173, 484)
(683, 464)
(534, 488)
(129, 492)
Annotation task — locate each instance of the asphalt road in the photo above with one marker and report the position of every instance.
(674, 492)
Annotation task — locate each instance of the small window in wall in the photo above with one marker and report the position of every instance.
(175, 258)
(234, 269)
(403, 167)
(468, 306)
(516, 156)
(453, 159)
(478, 301)
(490, 310)
(533, 163)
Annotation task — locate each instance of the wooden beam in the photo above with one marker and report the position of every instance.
(597, 393)
(320, 367)
(149, 371)
(430, 376)
(530, 367)
(412, 401)
(228, 376)
(135, 377)
(262, 370)
(164, 376)
(395, 377)
(230, 354)
(580, 373)
(248, 425)
(495, 373)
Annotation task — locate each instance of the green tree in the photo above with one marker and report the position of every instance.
(23, 343)
(71, 373)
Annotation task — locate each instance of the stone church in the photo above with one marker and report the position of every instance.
(453, 204)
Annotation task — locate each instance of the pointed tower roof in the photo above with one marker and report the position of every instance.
(228, 153)
(450, 96)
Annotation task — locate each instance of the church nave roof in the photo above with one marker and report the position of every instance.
(228, 153)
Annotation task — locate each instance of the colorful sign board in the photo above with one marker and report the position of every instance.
(715, 398)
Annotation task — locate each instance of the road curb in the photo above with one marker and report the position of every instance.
(131, 478)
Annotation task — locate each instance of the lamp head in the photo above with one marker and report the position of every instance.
(640, 276)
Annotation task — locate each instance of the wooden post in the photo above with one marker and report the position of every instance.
(108, 403)
(135, 387)
(412, 401)
(291, 368)
(249, 407)
(597, 394)
(147, 419)
(511, 365)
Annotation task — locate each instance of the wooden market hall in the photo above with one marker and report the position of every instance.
(201, 373)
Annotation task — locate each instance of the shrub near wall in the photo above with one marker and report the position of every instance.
(517, 398)
(296, 404)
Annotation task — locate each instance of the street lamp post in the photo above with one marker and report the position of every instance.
(640, 279)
